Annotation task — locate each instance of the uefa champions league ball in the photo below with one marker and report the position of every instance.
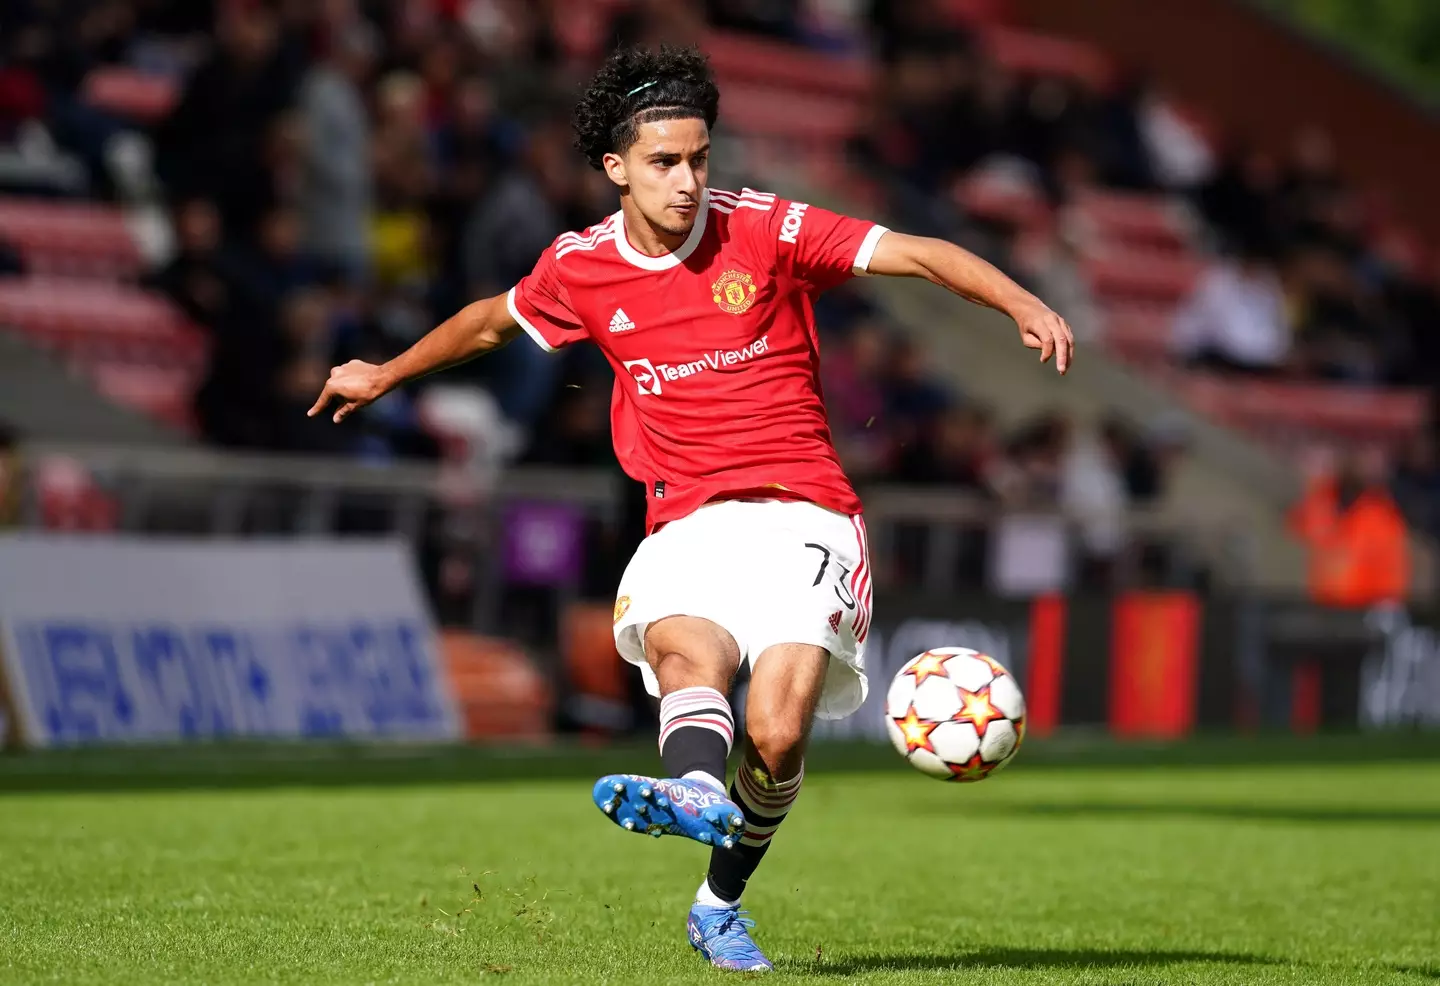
(955, 714)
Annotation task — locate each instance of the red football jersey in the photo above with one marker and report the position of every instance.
(717, 365)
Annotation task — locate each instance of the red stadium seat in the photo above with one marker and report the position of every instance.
(133, 95)
(1143, 221)
(163, 393)
(1118, 275)
(800, 117)
(1287, 411)
(778, 67)
(1138, 334)
(1026, 53)
(90, 321)
(986, 194)
(70, 239)
(70, 500)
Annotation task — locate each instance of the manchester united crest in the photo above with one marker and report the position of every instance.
(622, 606)
(734, 292)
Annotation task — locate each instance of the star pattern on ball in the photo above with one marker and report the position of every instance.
(977, 709)
(916, 732)
(996, 668)
(927, 665)
(974, 769)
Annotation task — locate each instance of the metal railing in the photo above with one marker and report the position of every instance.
(920, 537)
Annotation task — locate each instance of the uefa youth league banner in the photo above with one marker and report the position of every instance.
(131, 640)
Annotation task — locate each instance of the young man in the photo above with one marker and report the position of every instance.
(702, 302)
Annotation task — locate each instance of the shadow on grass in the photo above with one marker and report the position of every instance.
(1431, 972)
(323, 764)
(1021, 958)
(1319, 814)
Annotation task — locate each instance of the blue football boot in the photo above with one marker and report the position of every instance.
(722, 935)
(670, 806)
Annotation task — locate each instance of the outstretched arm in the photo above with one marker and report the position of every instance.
(965, 274)
(474, 330)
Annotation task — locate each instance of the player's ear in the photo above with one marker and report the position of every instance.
(615, 169)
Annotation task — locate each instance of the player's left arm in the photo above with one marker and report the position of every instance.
(960, 271)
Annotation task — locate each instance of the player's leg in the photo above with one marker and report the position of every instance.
(780, 707)
(694, 660)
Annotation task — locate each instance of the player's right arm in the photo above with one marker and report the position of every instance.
(474, 330)
(538, 306)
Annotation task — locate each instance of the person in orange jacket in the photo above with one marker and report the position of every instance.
(1358, 541)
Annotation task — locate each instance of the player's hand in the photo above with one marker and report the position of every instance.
(1042, 329)
(355, 384)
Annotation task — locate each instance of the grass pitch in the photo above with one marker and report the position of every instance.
(258, 865)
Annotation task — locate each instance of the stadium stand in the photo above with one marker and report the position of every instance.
(1044, 151)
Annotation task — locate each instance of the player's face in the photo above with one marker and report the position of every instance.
(665, 170)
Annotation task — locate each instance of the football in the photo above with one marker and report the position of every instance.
(955, 713)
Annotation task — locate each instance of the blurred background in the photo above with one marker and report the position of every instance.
(1222, 520)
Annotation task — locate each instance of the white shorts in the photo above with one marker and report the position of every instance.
(769, 572)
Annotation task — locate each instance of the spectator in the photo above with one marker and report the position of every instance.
(912, 394)
(955, 449)
(1146, 461)
(337, 195)
(216, 140)
(200, 278)
(1234, 320)
(404, 179)
(1242, 200)
(1092, 495)
(1417, 483)
(1357, 538)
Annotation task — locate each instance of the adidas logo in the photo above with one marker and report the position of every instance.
(620, 322)
(834, 622)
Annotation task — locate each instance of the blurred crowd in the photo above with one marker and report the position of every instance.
(1305, 275)
(339, 175)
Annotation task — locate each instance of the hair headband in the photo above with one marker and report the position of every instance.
(643, 85)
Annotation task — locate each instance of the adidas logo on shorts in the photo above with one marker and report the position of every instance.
(620, 322)
(834, 622)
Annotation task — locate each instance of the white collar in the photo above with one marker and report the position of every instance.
(666, 260)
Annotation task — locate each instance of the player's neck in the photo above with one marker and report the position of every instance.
(645, 236)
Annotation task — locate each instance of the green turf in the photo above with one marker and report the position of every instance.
(1322, 872)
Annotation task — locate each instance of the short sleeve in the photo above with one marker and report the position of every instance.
(541, 304)
(820, 247)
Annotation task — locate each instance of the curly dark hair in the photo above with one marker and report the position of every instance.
(637, 86)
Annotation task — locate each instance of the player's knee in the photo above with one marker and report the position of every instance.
(779, 741)
(686, 651)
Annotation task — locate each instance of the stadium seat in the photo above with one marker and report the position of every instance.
(69, 498)
(799, 116)
(1138, 220)
(133, 95)
(165, 393)
(70, 239)
(994, 196)
(1130, 275)
(1138, 334)
(1027, 53)
(501, 695)
(782, 68)
(89, 321)
(1287, 411)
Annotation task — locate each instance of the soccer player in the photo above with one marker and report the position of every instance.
(701, 300)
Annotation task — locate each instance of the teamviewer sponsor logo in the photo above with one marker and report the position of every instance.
(645, 376)
(648, 376)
